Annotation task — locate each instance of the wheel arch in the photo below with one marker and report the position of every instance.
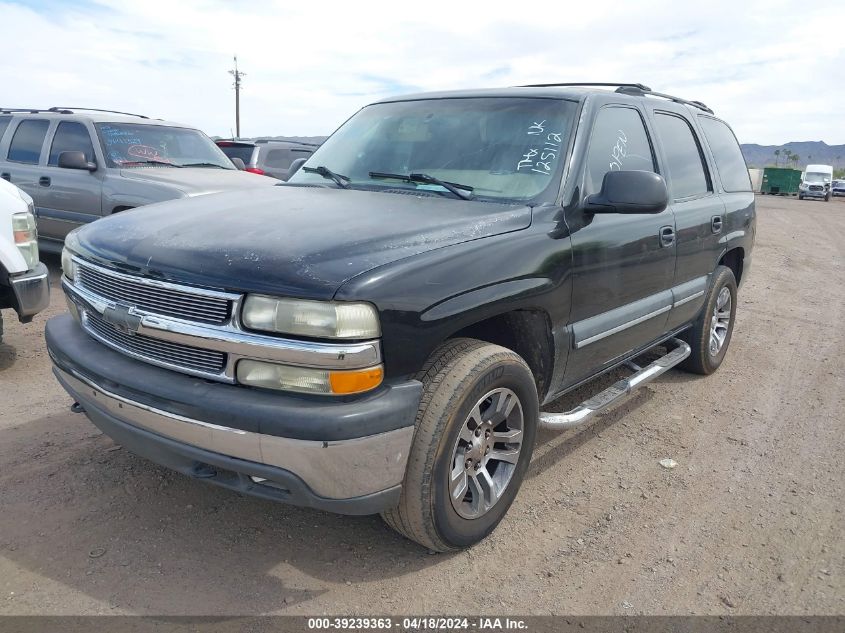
(525, 331)
(734, 259)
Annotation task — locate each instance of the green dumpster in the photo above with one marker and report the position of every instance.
(781, 181)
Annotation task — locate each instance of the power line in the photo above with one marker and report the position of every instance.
(237, 74)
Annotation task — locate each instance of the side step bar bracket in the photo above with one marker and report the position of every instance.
(617, 391)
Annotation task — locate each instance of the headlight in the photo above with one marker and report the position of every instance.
(318, 319)
(68, 266)
(26, 237)
(301, 379)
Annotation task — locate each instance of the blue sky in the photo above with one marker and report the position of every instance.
(773, 69)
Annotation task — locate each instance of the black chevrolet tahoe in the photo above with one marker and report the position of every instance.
(381, 333)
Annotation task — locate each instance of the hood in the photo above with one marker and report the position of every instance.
(198, 180)
(286, 240)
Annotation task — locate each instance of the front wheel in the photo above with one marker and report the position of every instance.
(710, 336)
(474, 436)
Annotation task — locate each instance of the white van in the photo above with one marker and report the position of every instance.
(815, 182)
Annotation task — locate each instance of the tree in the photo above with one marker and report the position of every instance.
(777, 157)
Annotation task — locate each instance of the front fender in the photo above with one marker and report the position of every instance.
(425, 299)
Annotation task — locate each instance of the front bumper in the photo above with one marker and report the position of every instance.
(813, 194)
(347, 457)
(31, 291)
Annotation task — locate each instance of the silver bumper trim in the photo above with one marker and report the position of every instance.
(32, 291)
(335, 470)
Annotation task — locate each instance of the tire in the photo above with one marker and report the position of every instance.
(1, 326)
(457, 380)
(800, 197)
(702, 359)
(827, 197)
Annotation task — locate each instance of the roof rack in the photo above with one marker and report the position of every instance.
(64, 110)
(32, 110)
(284, 140)
(641, 92)
(70, 109)
(590, 84)
(637, 90)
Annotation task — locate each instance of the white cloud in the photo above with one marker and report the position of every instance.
(773, 69)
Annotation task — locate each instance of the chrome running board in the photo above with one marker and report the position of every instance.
(617, 391)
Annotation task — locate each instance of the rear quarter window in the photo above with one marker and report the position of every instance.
(27, 141)
(733, 172)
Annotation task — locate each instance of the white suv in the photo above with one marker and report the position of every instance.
(24, 282)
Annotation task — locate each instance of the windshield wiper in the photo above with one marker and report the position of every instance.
(130, 163)
(464, 192)
(339, 179)
(202, 165)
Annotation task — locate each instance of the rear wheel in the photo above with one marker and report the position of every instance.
(473, 440)
(710, 336)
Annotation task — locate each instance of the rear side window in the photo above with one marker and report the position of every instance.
(683, 156)
(71, 137)
(730, 163)
(4, 123)
(27, 141)
(619, 142)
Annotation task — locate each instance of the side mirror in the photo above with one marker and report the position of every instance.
(629, 192)
(295, 165)
(76, 160)
(237, 162)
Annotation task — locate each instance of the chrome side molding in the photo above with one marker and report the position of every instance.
(618, 391)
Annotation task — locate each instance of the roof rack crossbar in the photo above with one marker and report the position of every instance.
(608, 84)
(631, 90)
(69, 109)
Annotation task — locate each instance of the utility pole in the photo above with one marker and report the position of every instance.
(237, 74)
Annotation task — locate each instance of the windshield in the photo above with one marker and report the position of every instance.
(496, 148)
(132, 145)
(814, 176)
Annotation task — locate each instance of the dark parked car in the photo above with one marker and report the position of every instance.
(382, 332)
(838, 188)
(267, 157)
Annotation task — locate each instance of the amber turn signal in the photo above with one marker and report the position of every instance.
(346, 382)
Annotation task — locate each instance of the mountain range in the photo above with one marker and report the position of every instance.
(809, 153)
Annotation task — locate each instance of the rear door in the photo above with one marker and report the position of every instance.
(23, 155)
(71, 197)
(623, 264)
(698, 209)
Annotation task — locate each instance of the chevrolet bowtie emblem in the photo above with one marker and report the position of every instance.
(123, 318)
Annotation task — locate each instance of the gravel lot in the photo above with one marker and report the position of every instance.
(751, 520)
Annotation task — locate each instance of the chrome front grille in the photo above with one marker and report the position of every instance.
(188, 329)
(158, 298)
(191, 359)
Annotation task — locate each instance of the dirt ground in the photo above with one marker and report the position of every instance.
(750, 522)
